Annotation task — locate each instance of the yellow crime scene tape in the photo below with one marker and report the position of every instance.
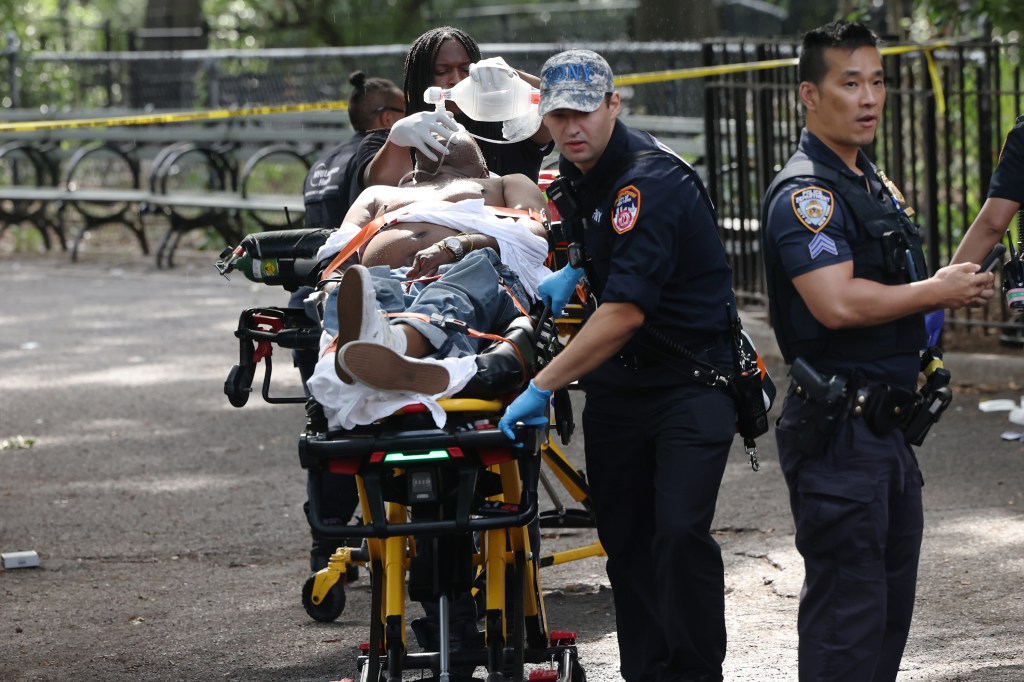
(628, 79)
(725, 69)
(181, 117)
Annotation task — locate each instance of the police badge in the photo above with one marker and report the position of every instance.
(896, 194)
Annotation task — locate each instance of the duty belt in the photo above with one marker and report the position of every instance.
(645, 357)
(883, 407)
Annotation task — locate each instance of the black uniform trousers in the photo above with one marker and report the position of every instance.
(655, 459)
(859, 521)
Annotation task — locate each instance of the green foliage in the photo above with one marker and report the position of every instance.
(69, 25)
(316, 23)
(959, 18)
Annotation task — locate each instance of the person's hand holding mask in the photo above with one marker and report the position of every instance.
(492, 74)
(418, 130)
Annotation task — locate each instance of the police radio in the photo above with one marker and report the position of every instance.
(1013, 271)
(560, 194)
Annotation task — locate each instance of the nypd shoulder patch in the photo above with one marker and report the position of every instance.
(626, 209)
(813, 206)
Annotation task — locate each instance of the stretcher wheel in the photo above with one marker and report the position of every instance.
(330, 608)
(238, 385)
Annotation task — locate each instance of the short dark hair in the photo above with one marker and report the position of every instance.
(845, 34)
(367, 98)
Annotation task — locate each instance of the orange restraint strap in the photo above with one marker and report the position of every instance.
(364, 235)
(474, 334)
(373, 227)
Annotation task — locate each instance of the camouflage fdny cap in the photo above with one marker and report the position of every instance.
(574, 79)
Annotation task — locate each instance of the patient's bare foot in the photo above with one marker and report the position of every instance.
(380, 367)
(360, 318)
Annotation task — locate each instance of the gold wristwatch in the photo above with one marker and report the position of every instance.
(453, 244)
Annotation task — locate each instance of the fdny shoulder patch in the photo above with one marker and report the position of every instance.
(813, 206)
(626, 209)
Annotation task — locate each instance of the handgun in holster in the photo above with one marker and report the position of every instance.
(934, 397)
(826, 402)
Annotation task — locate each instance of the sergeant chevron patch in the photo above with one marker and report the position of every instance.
(822, 243)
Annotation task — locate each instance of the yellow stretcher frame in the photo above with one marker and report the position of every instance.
(515, 620)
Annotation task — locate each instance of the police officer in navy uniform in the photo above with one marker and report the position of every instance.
(1005, 198)
(656, 441)
(848, 288)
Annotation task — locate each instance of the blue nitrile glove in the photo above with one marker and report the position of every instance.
(531, 408)
(556, 288)
(933, 326)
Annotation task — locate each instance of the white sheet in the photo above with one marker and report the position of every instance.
(349, 405)
(521, 250)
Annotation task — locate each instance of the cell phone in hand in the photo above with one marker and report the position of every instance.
(994, 258)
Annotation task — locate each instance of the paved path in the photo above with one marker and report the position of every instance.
(173, 542)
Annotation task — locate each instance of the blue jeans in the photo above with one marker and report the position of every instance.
(474, 291)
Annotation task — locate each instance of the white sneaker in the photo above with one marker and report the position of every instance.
(382, 368)
(360, 317)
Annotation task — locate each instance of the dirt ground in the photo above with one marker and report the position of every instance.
(173, 543)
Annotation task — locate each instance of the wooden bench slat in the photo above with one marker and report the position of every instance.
(222, 200)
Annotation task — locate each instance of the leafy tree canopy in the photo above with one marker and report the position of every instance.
(88, 25)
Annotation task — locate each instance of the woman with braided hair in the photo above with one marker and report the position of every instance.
(442, 57)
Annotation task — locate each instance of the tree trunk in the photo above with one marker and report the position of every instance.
(181, 21)
(169, 25)
(676, 20)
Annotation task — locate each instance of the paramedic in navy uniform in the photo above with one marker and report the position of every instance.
(328, 191)
(656, 442)
(841, 305)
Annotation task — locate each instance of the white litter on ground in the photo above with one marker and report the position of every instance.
(1003, 405)
(1016, 414)
(27, 559)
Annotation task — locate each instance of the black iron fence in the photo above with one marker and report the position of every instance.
(944, 124)
(189, 79)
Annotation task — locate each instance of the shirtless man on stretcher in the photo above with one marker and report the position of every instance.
(438, 222)
(462, 175)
